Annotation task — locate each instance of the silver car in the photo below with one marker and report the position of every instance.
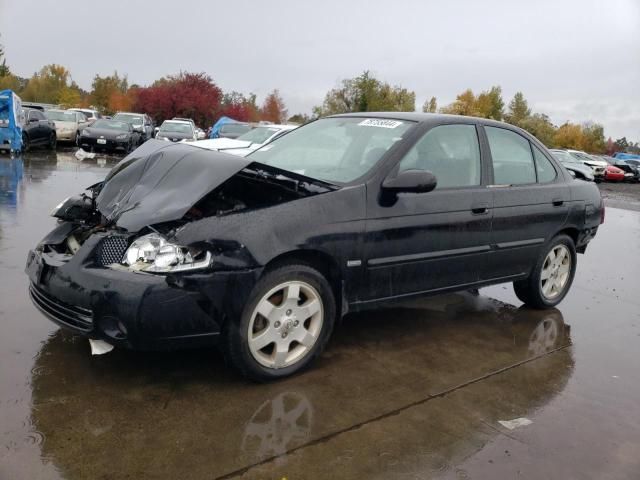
(69, 124)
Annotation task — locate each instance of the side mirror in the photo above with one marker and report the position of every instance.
(411, 181)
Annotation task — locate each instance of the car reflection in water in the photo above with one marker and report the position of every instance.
(169, 413)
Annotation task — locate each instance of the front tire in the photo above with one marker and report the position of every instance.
(52, 141)
(25, 143)
(285, 324)
(552, 275)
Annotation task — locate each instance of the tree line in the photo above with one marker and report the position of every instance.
(196, 95)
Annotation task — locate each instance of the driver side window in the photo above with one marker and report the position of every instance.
(450, 152)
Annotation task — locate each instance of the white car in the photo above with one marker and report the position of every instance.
(247, 142)
(598, 166)
(177, 131)
(92, 115)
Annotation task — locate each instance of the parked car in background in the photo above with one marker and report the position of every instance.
(247, 142)
(37, 130)
(177, 131)
(631, 172)
(598, 166)
(613, 174)
(68, 124)
(141, 123)
(92, 115)
(233, 130)
(263, 254)
(578, 169)
(40, 106)
(199, 132)
(109, 135)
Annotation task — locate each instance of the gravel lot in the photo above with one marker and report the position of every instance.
(621, 195)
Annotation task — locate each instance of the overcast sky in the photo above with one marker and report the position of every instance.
(576, 60)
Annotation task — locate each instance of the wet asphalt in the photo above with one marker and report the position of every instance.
(404, 393)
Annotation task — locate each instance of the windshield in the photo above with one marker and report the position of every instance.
(231, 128)
(110, 125)
(60, 116)
(336, 150)
(564, 157)
(258, 134)
(129, 118)
(175, 127)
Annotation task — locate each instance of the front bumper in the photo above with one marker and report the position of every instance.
(136, 310)
(66, 136)
(92, 143)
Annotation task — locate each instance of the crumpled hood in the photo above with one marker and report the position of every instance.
(221, 143)
(161, 181)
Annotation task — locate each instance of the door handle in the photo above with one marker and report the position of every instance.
(557, 202)
(481, 209)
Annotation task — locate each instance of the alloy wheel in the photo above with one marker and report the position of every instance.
(286, 324)
(556, 271)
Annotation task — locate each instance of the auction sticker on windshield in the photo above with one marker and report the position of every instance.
(378, 122)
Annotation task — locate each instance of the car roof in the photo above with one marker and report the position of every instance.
(426, 117)
(178, 121)
(130, 113)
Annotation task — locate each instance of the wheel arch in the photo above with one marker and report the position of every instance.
(571, 232)
(321, 261)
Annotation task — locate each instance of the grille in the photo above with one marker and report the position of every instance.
(75, 317)
(111, 250)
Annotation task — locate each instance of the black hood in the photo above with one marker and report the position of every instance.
(161, 181)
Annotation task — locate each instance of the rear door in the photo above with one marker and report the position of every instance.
(530, 202)
(435, 240)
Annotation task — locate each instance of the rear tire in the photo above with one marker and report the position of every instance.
(552, 275)
(285, 324)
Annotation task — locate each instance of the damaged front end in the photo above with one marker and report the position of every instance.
(113, 269)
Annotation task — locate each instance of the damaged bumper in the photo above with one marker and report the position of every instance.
(135, 310)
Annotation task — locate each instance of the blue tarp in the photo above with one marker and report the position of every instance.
(11, 120)
(215, 130)
(626, 156)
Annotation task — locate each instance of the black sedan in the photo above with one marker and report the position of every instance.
(109, 135)
(180, 246)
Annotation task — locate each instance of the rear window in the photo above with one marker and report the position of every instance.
(512, 158)
(234, 128)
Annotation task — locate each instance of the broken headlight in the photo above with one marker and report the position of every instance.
(153, 253)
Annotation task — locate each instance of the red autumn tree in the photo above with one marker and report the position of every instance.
(274, 109)
(189, 95)
(239, 107)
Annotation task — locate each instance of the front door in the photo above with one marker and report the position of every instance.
(435, 240)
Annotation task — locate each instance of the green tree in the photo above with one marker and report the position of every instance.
(365, 93)
(430, 106)
(568, 135)
(593, 138)
(47, 85)
(621, 144)
(540, 127)
(104, 88)
(299, 118)
(465, 104)
(518, 110)
(4, 69)
(489, 104)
